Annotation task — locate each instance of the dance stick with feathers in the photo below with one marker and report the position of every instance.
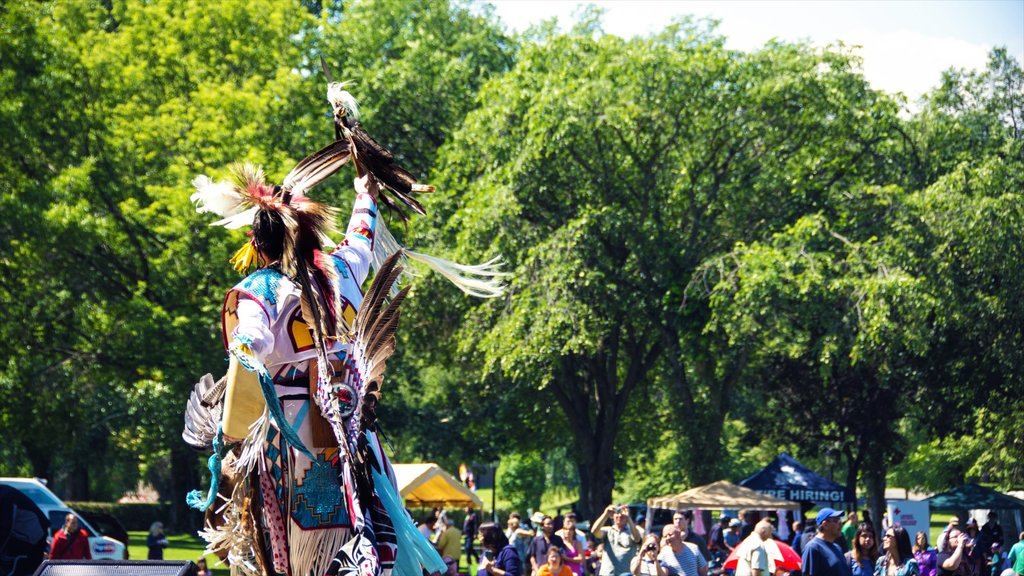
(484, 280)
(368, 154)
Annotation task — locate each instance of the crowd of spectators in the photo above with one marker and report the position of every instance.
(829, 544)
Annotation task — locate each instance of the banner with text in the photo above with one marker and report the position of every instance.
(913, 515)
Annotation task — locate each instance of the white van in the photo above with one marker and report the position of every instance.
(101, 547)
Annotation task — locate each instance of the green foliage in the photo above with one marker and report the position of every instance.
(854, 318)
(521, 480)
(110, 111)
(606, 171)
(417, 66)
(133, 516)
(716, 255)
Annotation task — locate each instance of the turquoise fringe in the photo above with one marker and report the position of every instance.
(195, 497)
(414, 550)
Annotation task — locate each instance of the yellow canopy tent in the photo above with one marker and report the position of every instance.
(426, 485)
(721, 495)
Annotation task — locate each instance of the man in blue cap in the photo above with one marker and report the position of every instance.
(822, 556)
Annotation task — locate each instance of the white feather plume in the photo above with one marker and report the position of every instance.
(340, 98)
(485, 280)
(481, 280)
(220, 198)
(236, 221)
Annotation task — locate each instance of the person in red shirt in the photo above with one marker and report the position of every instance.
(70, 542)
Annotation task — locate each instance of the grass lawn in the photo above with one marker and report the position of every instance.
(190, 547)
(550, 502)
(183, 547)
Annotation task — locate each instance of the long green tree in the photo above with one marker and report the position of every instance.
(606, 170)
(896, 311)
(110, 110)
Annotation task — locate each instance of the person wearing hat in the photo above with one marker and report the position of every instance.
(732, 533)
(536, 519)
(821, 555)
(996, 560)
(977, 547)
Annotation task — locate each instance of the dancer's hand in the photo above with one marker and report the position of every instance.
(367, 184)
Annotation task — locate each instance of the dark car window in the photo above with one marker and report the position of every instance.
(57, 522)
(101, 525)
(107, 526)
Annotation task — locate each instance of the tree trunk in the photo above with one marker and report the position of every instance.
(594, 446)
(874, 481)
(597, 480)
(42, 463)
(76, 486)
(185, 478)
(701, 423)
(852, 472)
(593, 398)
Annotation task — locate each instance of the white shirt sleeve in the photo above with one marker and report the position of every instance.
(254, 328)
(357, 250)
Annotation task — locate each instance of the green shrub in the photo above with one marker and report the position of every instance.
(134, 516)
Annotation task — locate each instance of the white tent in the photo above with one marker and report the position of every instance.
(721, 495)
(426, 485)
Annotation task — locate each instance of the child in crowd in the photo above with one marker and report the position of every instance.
(554, 565)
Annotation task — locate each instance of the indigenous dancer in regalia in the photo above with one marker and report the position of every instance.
(301, 484)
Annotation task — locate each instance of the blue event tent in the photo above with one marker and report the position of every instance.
(788, 479)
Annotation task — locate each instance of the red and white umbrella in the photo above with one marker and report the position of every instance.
(780, 555)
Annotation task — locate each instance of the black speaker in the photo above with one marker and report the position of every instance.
(116, 568)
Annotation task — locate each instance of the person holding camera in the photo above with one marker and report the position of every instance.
(619, 541)
(955, 560)
(646, 562)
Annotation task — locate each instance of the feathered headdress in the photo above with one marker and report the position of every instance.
(288, 228)
(306, 225)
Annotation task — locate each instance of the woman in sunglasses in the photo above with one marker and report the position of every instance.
(898, 559)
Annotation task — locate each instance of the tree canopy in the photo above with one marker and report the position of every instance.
(716, 254)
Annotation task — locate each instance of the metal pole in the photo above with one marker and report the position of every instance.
(494, 493)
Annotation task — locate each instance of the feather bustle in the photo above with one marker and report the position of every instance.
(203, 412)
